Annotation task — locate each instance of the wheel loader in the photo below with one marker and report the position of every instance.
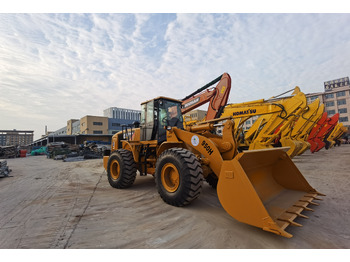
(262, 188)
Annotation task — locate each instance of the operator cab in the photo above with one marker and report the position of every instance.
(156, 115)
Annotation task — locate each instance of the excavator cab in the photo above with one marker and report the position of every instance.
(156, 115)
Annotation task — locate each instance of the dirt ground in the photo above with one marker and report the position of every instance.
(53, 204)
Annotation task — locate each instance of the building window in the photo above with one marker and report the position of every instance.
(97, 132)
(330, 103)
(342, 110)
(97, 123)
(343, 119)
(331, 112)
(341, 93)
(115, 124)
(327, 96)
(341, 102)
(313, 98)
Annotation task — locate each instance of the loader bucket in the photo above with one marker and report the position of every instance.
(264, 188)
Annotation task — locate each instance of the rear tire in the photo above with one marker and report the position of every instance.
(179, 176)
(121, 169)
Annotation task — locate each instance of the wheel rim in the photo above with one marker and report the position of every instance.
(170, 177)
(115, 169)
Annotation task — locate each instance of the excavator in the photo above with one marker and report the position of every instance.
(217, 98)
(327, 128)
(323, 127)
(262, 188)
(283, 110)
(335, 135)
(276, 116)
(315, 130)
(304, 134)
(280, 112)
(299, 128)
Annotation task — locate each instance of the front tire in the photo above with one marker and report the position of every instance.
(121, 169)
(212, 180)
(178, 176)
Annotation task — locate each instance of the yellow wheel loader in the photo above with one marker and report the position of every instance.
(262, 188)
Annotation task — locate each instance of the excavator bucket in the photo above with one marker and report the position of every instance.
(306, 146)
(264, 188)
(294, 146)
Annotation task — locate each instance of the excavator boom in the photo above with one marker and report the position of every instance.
(217, 97)
(277, 116)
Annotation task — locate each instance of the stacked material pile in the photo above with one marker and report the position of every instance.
(58, 150)
(92, 151)
(70, 152)
(39, 151)
(4, 169)
(8, 152)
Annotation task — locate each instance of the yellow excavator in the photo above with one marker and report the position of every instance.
(262, 188)
(299, 128)
(284, 126)
(277, 118)
(335, 135)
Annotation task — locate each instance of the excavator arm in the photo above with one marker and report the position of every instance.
(217, 97)
(276, 116)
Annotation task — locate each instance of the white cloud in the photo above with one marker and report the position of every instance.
(60, 66)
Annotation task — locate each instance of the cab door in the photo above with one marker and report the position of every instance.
(147, 121)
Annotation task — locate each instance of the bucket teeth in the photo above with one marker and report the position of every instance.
(308, 209)
(314, 196)
(310, 202)
(296, 210)
(308, 199)
(298, 214)
(291, 222)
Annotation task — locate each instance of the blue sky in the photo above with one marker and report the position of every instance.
(60, 66)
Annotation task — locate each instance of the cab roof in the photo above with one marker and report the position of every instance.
(164, 98)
